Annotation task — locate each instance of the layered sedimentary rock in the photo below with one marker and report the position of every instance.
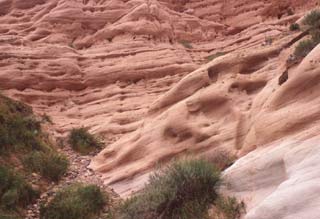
(160, 79)
(278, 179)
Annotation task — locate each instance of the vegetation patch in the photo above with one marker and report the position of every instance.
(77, 201)
(83, 142)
(294, 27)
(50, 165)
(19, 130)
(228, 208)
(12, 215)
(290, 11)
(268, 40)
(186, 44)
(15, 193)
(183, 190)
(46, 119)
(214, 56)
(312, 20)
(304, 48)
(222, 160)
(23, 142)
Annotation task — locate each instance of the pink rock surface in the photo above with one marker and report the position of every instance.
(278, 179)
(233, 103)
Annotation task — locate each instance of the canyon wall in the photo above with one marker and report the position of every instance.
(160, 79)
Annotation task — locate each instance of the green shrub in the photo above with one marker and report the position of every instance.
(14, 190)
(50, 165)
(18, 128)
(11, 106)
(294, 27)
(229, 208)
(82, 141)
(312, 19)
(186, 44)
(75, 202)
(315, 36)
(303, 48)
(19, 133)
(183, 190)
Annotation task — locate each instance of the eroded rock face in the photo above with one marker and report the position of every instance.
(139, 73)
(278, 181)
(233, 104)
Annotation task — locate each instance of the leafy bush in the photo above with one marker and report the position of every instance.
(50, 165)
(77, 201)
(183, 190)
(229, 208)
(186, 44)
(14, 190)
(82, 141)
(303, 48)
(294, 27)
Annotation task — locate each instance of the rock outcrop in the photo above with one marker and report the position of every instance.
(160, 79)
(278, 179)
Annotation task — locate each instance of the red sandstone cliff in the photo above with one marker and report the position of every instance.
(138, 73)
